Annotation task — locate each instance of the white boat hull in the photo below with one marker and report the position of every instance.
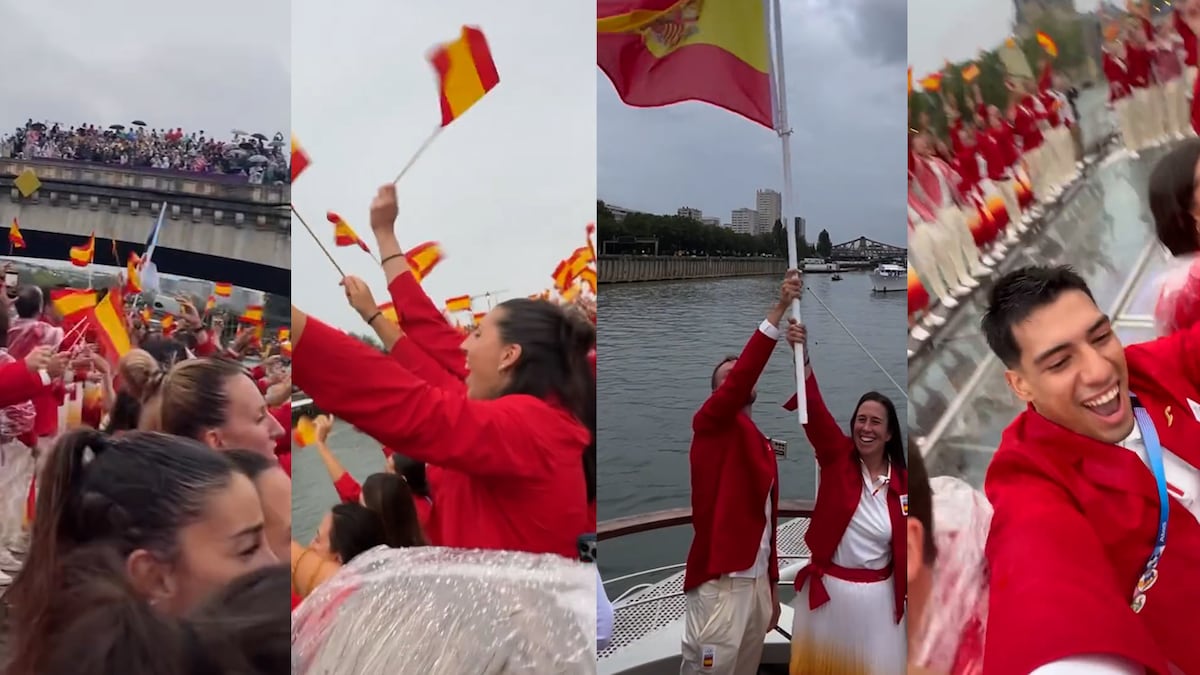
(886, 284)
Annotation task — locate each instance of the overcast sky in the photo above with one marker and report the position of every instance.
(217, 66)
(507, 189)
(940, 30)
(845, 68)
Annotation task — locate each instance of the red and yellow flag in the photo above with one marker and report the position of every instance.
(252, 315)
(15, 240)
(932, 82)
(82, 256)
(465, 72)
(305, 433)
(389, 312)
(211, 304)
(133, 280)
(223, 289)
(970, 72)
(284, 334)
(146, 315)
(461, 303)
(659, 52)
(285, 349)
(343, 234)
(478, 317)
(167, 324)
(69, 302)
(300, 160)
(1047, 44)
(588, 276)
(423, 258)
(109, 316)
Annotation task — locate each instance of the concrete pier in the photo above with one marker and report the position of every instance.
(625, 269)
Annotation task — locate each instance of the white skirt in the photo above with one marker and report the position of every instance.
(852, 634)
(16, 470)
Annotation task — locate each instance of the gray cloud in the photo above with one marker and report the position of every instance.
(848, 112)
(874, 26)
(216, 67)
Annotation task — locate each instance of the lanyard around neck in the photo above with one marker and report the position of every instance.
(1154, 454)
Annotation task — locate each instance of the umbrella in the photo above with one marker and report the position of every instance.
(258, 136)
(38, 126)
(236, 152)
(118, 127)
(258, 159)
(138, 123)
(248, 146)
(238, 132)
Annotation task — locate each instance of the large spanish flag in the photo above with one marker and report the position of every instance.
(72, 303)
(659, 52)
(465, 72)
(82, 256)
(15, 240)
(343, 234)
(300, 160)
(423, 258)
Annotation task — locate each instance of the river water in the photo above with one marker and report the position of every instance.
(657, 346)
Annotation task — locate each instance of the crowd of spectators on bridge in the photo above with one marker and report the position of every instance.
(255, 156)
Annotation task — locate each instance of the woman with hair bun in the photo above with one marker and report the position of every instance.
(181, 517)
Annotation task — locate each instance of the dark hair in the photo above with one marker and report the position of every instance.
(354, 529)
(920, 500)
(29, 302)
(133, 492)
(167, 351)
(389, 496)
(125, 413)
(192, 396)
(251, 463)
(728, 359)
(894, 448)
(554, 363)
(413, 472)
(1019, 294)
(103, 627)
(1172, 186)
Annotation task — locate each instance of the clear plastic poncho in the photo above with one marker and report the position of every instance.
(1178, 304)
(956, 612)
(441, 611)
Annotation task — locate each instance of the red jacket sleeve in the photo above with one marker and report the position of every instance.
(18, 385)
(827, 438)
(516, 435)
(1053, 592)
(347, 488)
(206, 344)
(424, 323)
(731, 397)
(258, 372)
(410, 355)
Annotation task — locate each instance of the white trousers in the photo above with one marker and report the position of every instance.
(928, 254)
(1124, 109)
(1035, 165)
(962, 245)
(1175, 104)
(726, 623)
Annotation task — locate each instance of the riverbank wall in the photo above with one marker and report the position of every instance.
(626, 269)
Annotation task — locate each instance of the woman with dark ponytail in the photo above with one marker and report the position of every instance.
(389, 496)
(107, 628)
(515, 458)
(180, 517)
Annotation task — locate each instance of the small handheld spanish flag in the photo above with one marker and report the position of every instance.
(465, 72)
(422, 259)
(82, 256)
(300, 160)
(305, 432)
(223, 289)
(389, 312)
(1047, 43)
(15, 240)
(343, 234)
(461, 303)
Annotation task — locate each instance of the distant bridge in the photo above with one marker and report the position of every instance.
(216, 228)
(866, 250)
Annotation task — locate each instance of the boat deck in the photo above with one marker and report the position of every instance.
(650, 616)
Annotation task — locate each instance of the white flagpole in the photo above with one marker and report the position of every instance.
(779, 100)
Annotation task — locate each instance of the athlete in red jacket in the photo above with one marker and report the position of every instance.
(1082, 490)
(731, 567)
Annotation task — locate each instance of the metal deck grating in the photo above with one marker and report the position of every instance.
(662, 604)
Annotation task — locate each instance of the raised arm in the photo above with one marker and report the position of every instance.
(518, 436)
(1049, 576)
(733, 394)
(26, 379)
(348, 489)
(822, 430)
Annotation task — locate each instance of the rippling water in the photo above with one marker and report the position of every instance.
(312, 490)
(658, 344)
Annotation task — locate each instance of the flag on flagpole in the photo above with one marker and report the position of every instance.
(660, 52)
(109, 315)
(133, 281)
(82, 256)
(15, 240)
(465, 72)
(343, 234)
(148, 269)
